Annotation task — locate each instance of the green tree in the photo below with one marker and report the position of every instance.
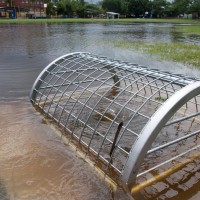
(124, 7)
(51, 9)
(118, 6)
(111, 5)
(195, 7)
(158, 7)
(92, 9)
(181, 7)
(138, 8)
(64, 7)
(78, 7)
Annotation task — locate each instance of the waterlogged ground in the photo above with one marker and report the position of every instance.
(35, 164)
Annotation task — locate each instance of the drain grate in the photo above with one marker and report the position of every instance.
(130, 119)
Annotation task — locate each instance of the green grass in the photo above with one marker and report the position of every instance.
(189, 29)
(188, 54)
(160, 99)
(89, 20)
(53, 20)
(177, 51)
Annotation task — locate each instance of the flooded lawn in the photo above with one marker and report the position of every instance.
(34, 162)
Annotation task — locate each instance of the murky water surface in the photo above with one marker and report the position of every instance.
(27, 48)
(34, 163)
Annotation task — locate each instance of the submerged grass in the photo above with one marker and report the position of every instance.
(176, 51)
(189, 29)
(96, 20)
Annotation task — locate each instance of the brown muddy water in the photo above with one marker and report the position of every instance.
(34, 162)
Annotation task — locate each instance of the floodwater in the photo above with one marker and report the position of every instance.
(34, 162)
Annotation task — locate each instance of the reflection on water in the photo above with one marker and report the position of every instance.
(183, 184)
(34, 163)
(32, 40)
(27, 48)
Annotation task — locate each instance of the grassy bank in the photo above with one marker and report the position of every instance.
(189, 29)
(89, 20)
(179, 52)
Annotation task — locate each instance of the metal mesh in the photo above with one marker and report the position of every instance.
(105, 105)
(176, 140)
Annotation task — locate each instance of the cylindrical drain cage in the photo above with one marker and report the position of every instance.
(131, 119)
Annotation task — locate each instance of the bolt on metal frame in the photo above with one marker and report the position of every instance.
(120, 112)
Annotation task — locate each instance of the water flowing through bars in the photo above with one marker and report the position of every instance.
(90, 97)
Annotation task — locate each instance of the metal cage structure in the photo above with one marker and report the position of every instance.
(131, 120)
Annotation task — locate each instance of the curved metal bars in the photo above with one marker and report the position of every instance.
(91, 96)
(45, 73)
(154, 126)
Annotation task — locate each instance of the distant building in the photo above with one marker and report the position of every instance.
(191, 16)
(112, 15)
(22, 8)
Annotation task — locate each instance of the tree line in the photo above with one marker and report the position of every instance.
(126, 8)
(152, 8)
(72, 8)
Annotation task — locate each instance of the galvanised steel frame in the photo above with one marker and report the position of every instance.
(120, 112)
